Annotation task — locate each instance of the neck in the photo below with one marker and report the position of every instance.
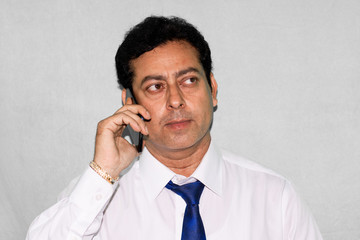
(182, 161)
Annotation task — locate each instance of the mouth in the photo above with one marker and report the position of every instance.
(178, 124)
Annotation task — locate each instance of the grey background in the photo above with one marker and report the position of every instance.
(288, 75)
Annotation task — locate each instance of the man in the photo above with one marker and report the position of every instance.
(181, 186)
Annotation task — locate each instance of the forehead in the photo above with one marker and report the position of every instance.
(166, 59)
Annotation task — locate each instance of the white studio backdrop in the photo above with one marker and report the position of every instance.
(289, 82)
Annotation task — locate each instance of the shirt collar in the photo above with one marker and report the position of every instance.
(209, 172)
(155, 175)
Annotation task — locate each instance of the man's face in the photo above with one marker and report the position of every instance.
(170, 83)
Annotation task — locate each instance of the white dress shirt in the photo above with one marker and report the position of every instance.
(241, 200)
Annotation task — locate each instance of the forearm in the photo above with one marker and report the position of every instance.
(77, 216)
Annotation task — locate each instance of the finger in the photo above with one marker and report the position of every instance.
(139, 121)
(136, 109)
(119, 120)
(116, 124)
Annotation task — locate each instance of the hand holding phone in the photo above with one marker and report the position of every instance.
(112, 151)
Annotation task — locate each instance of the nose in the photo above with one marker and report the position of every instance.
(175, 98)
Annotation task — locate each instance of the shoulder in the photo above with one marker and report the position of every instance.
(242, 167)
(238, 161)
(254, 177)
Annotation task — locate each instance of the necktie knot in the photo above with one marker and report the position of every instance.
(190, 192)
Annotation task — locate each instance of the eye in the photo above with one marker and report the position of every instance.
(190, 81)
(154, 87)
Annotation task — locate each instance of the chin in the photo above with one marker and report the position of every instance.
(183, 142)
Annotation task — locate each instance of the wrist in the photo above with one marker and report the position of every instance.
(104, 174)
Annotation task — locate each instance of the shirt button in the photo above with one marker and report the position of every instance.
(98, 197)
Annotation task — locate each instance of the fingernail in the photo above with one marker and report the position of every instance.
(146, 129)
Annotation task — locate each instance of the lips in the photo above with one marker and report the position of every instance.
(178, 124)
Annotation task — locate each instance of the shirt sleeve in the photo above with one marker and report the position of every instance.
(298, 222)
(77, 216)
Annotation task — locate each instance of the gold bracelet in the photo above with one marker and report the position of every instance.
(102, 173)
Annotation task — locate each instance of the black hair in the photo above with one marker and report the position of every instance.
(153, 32)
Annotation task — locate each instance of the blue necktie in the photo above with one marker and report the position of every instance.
(193, 228)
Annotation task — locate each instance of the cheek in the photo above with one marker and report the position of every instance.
(156, 111)
(206, 102)
(202, 109)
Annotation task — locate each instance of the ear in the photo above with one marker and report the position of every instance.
(214, 87)
(123, 96)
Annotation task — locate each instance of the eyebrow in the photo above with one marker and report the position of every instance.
(185, 71)
(163, 78)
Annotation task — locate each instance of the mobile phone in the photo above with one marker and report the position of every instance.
(135, 137)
